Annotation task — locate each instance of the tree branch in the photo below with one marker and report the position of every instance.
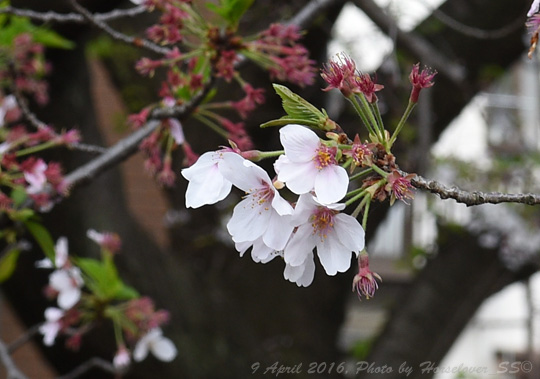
(88, 365)
(474, 197)
(312, 9)
(71, 17)
(139, 42)
(418, 46)
(12, 371)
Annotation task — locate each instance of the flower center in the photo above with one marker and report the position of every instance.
(260, 196)
(324, 156)
(322, 221)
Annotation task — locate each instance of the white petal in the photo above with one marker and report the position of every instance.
(302, 275)
(44, 263)
(534, 8)
(331, 184)
(141, 351)
(69, 297)
(242, 173)
(53, 314)
(208, 189)
(261, 253)
(282, 206)
(305, 207)
(333, 255)
(205, 161)
(249, 220)
(176, 131)
(61, 252)
(50, 331)
(300, 245)
(163, 349)
(299, 142)
(60, 280)
(349, 232)
(278, 232)
(299, 177)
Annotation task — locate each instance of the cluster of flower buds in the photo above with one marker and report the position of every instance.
(212, 52)
(24, 176)
(321, 171)
(87, 290)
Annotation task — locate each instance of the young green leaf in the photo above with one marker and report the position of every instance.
(8, 262)
(231, 10)
(42, 237)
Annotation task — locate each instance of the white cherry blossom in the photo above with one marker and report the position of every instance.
(309, 165)
(67, 282)
(334, 234)
(263, 213)
(206, 183)
(154, 341)
(36, 177)
(52, 325)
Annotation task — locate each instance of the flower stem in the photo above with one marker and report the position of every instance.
(404, 118)
(360, 174)
(270, 154)
(379, 171)
(369, 110)
(361, 113)
(35, 149)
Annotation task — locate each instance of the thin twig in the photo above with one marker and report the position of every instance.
(24, 338)
(51, 16)
(90, 364)
(470, 198)
(129, 145)
(139, 42)
(12, 371)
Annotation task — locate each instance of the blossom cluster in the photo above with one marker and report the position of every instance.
(322, 172)
(213, 50)
(87, 290)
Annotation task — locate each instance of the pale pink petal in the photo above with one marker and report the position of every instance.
(163, 349)
(331, 184)
(61, 252)
(206, 160)
(242, 173)
(349, 232)
(300, 245)
(301, 275)
(176, 131)
(249, 220)
(208, 189)
(282, 206)
(299, 177)
(278, 232)
(69, 297)
(534, 8)
(299, 142)
(141, 351)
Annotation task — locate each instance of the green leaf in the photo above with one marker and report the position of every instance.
(299, 108)
(103, 279)
(42, 237)
(231, 10)
(18, 195)
(21, 215)
(8, 262)
(14, 26)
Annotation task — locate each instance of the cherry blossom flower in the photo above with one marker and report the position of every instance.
(161, 347)
(35, 176)
(8, 103)
(420, 80)
(206, 183)
(340, 73)
(68, 283)
(334, 234)
(364, 282)
(262, 212)
(66, 280)
(52, 325)
(121, 359)
(108, 241)
(399, 187)
(60, 256)
(365, 85)
(310, 165)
